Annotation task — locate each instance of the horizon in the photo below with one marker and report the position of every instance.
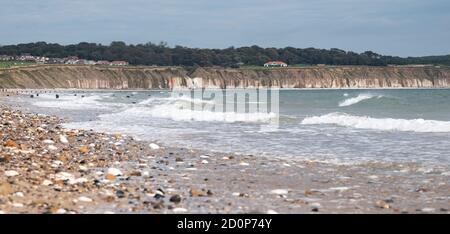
(401, 28)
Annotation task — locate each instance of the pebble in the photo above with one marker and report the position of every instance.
(120, 194)
(114, 172)
(83, 149)
(279, 191)
(382, 204)
(340, 189)
(244, 164)
(175, 198)
(196, 193)
(11, 173)
(64, 176)
(84, 199)
(18, 205)
(63, 139)
(154, 146)
(204, 162)
(19, 194)
(271, 212)
(48, 142)
(180, 210)
(61, 211)
(52, 147)
(47, 182)
(315, 207)
(428, 210)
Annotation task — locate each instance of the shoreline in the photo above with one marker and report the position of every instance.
(113, 173)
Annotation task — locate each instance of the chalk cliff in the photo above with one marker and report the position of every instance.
(93, 77)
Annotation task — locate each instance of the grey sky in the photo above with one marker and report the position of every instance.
(395, 27)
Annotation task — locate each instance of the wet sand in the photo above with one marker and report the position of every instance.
(47, 169)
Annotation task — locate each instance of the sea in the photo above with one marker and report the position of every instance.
(341, 126)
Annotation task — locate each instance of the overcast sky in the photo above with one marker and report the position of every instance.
(392, 27)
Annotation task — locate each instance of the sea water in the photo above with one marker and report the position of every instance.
(338, 126)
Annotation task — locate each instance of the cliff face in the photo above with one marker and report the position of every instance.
(91, 77)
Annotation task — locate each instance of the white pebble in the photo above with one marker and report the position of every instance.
(279, 191)
(17, 204)
(63, 139)
(11, 173)
(244, 164)
(154, 146)
(84, 199)
(179, 210)
(47, 183)
(52, 147)
(18, 194)
(272, 212)
(64, 176)
(340, 189)
(114, 171)
(428, 210)
(48, 142)
(61, 211)
(204, 162)
(82, 168)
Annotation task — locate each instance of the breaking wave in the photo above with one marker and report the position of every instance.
(383, 124)
(178, 113)
(357, 99)
(70, 102)
(177, 99)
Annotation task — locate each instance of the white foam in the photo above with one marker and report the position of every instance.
(357, 99)
(383, 124)
(179, 113)
(177, 99)
(71, 102)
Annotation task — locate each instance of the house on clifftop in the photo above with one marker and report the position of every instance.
(275, 64)
(119, 63)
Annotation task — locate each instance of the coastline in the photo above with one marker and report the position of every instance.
(40, 172)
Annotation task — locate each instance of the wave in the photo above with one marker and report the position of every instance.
(383, 124)
(72, 102)
(178, 113)
(176, 99)
(357, 99)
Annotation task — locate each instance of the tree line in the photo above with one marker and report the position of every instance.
(162, 55)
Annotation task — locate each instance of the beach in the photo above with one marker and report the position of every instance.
(46, 168)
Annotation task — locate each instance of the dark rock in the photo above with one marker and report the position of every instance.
(120, 194)
(175, 198)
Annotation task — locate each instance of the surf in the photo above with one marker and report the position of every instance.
(361, 97)
(381, 124)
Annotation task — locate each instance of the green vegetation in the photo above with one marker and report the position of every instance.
(163, 55)
(10, 64)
